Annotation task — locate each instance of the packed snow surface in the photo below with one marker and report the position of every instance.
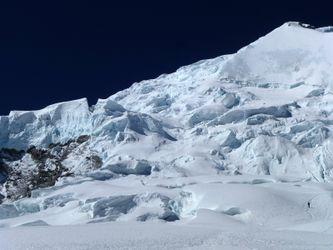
(233, 152)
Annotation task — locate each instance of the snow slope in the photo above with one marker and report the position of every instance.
(241, 141)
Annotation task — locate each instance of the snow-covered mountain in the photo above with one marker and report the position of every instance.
(256, 121)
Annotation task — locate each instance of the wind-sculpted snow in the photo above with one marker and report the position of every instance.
(242, 141)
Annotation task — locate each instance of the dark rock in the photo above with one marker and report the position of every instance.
(95, 161)
(10, 154)
(48, 168)
(145, 217)
(38, 154)
(4, 169)
(82, 139)
(169, 216)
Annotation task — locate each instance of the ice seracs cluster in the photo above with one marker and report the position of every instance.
(266, 110)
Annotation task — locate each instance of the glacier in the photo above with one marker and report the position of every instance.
(239, 141)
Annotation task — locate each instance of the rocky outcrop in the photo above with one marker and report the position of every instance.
(24, 171)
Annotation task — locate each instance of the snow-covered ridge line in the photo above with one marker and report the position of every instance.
(251, 64)
(309, 26)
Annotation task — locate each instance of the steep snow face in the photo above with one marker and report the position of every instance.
(266, 111)
(290, 54)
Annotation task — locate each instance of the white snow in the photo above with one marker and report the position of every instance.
(232, 152)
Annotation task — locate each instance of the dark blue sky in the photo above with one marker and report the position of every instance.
(51, 52)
